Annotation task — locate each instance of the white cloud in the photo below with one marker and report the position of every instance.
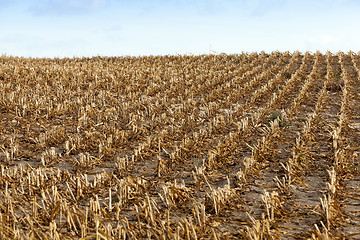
(326, 41)
(323, 39)
(115, 28)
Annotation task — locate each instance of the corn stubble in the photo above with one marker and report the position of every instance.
(247, 146)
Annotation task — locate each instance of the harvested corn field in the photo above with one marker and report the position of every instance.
(248, 146)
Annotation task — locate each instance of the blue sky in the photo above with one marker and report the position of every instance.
(67, 28)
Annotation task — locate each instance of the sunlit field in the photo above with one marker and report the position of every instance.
(248, 146)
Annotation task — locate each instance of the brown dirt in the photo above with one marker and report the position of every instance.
(187, 147)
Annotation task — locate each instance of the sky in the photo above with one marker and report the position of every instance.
(75, 28)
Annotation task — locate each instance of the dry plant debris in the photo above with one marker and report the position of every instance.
(246, 146)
